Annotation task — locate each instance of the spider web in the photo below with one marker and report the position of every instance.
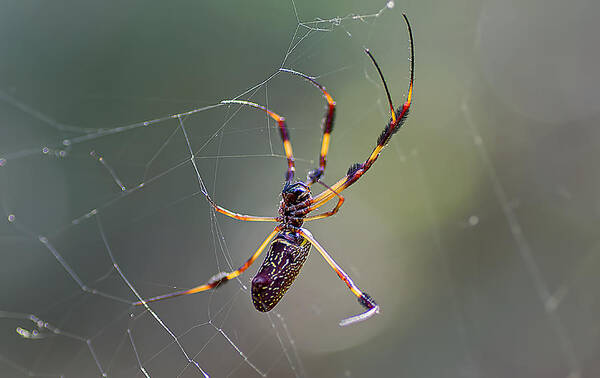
(113, 134)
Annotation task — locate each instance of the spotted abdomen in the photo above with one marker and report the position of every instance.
(283, 262)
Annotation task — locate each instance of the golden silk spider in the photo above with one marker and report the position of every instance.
(289, 243)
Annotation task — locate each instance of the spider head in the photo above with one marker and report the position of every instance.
(294, 193)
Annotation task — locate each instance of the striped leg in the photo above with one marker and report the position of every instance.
(363, 298)
(397, 119)
(218, 278)
(332, 211)
(315, 174)
(283, 131)
(234, 215)
(298, 211)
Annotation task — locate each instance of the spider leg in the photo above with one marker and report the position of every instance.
(364, 299)
(315, 174)
(283, 132)
(397, 119)
(243, 217)
(332, 211)
(218, 278)
(298, 211)
(328, 213)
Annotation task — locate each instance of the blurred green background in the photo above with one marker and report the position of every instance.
(476, 230)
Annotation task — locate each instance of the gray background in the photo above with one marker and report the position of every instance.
(476, 230)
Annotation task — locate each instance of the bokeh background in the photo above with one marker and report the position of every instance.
(476, 230)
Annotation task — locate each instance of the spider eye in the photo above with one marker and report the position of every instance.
(295, 192)
(303, 195)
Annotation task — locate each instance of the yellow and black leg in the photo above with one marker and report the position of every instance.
(396, 120)
(283, 132)
(218, 278)
(315, 174)
(364, 299)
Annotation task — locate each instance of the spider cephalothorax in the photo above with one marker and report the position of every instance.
(294, 205)
(289, 243)
(294, 193)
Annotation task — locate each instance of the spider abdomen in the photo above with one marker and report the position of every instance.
(286, 256)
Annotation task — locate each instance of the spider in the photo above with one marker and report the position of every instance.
(290, 243)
